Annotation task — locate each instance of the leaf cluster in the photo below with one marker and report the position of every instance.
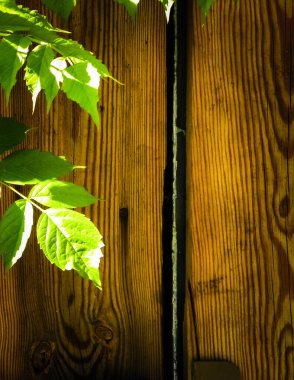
(68, 238)
(51, 62)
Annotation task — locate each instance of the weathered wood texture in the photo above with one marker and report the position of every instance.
(240, 188)
(53, 324)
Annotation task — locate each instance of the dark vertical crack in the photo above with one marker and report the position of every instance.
(179, 188)
(174, 208)
(167, 269)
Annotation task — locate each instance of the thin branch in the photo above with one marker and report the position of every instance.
(22, 195)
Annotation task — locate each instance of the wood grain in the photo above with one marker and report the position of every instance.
(240, 240)
(53, 324)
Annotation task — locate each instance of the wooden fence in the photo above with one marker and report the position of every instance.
(240, 210)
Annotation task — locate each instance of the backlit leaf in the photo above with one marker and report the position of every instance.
(53, 59)
(20, 19)
(167, 7)
(32, 166)
(59, 194)
(39, 76)
(43, 71)
(71, 241)
(11, 133)
(75, 51)
(131, 6)
(13, 52)
(81, 83)
(62, 7)
(15, 230)
(57, 66)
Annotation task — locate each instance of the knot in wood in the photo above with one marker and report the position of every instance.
(103, 333)
(42, 353)
(123, 213)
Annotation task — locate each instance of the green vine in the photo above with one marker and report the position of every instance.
(68, 239)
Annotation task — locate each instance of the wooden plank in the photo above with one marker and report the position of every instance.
(240, 188)
(53, 324)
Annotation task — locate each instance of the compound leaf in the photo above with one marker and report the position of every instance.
(81, 83)
(23, 21)
(61, 7)
(13, 52)
(21, 27)
(71, 241)
(59, 194)
(32, 166)
(15, 230)
(11, 133)
(38, 75)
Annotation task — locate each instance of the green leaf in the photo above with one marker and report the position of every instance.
(39, 76)
(205, 6)
(15, 230)
(71, 241)
(19, 19)
(131, 6)
(8, 3)
(81, 83)
(62, 7)
(13, 52)
(11, 133)
(32, 166)
(167, 7)
(58, 194)
(75, 52)
(58, 65)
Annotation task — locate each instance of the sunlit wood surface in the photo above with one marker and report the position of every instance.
(54, 325)
(240, 210)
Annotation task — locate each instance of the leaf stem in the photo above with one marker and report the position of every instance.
(22, 195)
(44, 42)
(36, 40)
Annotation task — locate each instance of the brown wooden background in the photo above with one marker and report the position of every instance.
(240, 192)
(240, 214)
